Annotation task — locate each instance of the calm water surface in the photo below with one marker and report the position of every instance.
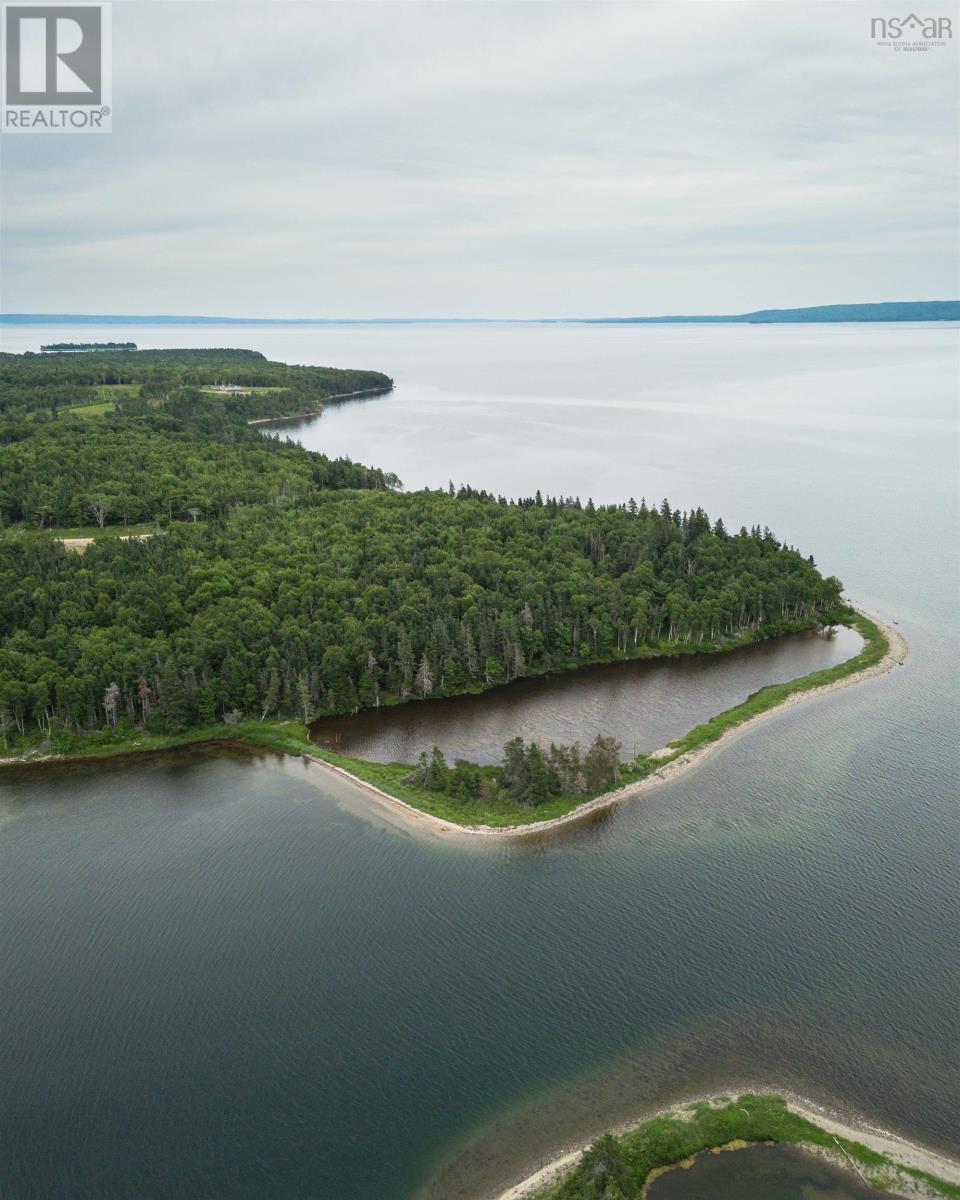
(234, 977)
(761, 1173)
(643, 704)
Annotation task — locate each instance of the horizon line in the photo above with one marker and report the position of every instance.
(873, 308)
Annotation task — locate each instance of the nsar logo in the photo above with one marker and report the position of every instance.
(891, 29)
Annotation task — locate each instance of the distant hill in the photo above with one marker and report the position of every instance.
(911, 310)
(921, 310)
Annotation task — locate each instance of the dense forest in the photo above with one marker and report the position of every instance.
(278, 581)
(126, 438)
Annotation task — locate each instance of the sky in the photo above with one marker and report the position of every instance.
(513, 159)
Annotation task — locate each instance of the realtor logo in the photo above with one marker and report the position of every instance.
(893, 28)
(57, 76)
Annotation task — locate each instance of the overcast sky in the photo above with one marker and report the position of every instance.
(494, 159)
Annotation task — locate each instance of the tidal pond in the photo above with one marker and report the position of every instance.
(761, 1173)
(644, 704)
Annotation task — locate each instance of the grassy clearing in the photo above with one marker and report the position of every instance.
(107, 396)
(80, 531)
(117, 391)
(627, 1161)
(89, 410)
(247, 391)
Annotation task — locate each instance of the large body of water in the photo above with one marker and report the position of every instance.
(231, 976)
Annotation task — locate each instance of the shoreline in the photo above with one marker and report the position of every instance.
(256, 733)
(319, 412)
(899, 1149)
(895, 655)
(281, 736)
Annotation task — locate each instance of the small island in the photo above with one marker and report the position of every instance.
(85, 347)
(286, 586)
(623, 1166)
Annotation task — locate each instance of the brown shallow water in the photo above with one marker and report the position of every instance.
(644, 704)
(761, 1173)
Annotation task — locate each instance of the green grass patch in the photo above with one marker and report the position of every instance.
(876, 646)
(101, 408)
(117, 391)
(620, 1166)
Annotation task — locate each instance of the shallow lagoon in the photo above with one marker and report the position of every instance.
(761, 1173)
(643, 704)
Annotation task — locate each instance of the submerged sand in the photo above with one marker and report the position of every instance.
(895, 656)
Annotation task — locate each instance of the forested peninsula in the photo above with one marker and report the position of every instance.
(240, 584)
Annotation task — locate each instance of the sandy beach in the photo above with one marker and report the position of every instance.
(908, 1154)
(905, 1153)
(895, 656)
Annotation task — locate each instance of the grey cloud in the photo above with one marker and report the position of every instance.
(512, 159)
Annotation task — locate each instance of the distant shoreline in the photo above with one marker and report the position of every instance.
(884, 311)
